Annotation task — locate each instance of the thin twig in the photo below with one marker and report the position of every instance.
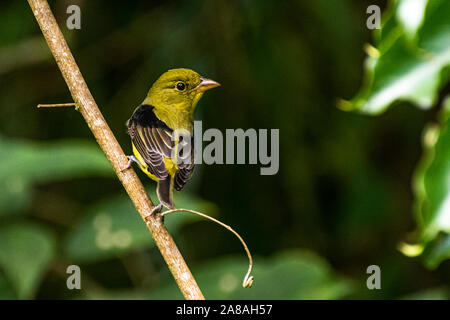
(56, 105)
(105, 138)
(248, 279)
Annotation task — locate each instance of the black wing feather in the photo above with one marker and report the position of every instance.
(153, 140)
(185, 169)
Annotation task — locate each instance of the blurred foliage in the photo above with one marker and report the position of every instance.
(26, 163)
(431, 294)
(432, 187)
(298, 275)
(412, 49)
(411, 62)
(222, 279)
(341, 201)
(25, 253)
(112, 227)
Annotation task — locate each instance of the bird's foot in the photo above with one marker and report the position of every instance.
(156, 209)
(131, 159)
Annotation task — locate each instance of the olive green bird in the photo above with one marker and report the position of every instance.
(167, 109)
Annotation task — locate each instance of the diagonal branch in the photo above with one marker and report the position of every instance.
(88, 108)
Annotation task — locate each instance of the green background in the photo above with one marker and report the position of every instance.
(351, 188)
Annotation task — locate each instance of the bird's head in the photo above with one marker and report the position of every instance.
(179, 88)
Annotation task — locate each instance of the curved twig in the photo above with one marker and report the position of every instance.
(248, 279)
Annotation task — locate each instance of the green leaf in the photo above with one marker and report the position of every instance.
(410, 15)
(113, 227)
(411, 63)
(25, 163)
(437, 251)
(432, 180)
(25, 253)
(412, 51)
(432, 191)
(289, 275)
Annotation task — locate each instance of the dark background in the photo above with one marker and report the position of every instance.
(343, 189)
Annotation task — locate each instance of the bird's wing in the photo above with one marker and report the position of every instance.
(152, 138)
(185, 169)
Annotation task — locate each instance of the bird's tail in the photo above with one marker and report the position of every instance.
(165, 192)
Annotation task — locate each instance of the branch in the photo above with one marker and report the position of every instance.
(56, 105)
(88, 108)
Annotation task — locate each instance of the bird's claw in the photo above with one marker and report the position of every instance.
(131, 159)
(156, 209)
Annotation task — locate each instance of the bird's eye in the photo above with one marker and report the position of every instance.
(181, 86)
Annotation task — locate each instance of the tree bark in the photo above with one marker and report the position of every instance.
(88, 108)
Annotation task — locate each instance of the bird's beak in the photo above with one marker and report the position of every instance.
(206, 84)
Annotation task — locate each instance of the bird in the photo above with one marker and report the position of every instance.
(160, 128)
